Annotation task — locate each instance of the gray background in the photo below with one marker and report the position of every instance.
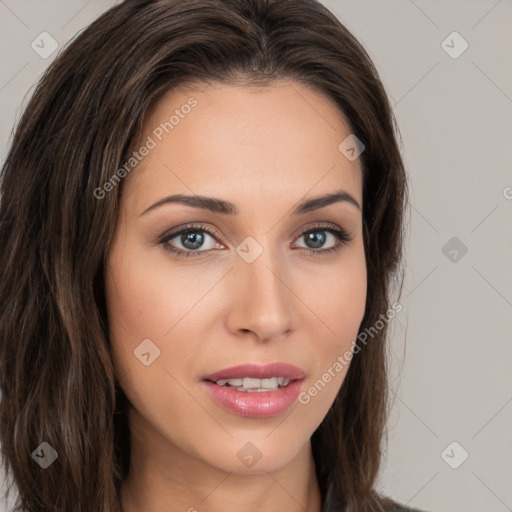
(451, 345)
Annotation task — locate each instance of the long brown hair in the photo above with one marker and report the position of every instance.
(58, 382)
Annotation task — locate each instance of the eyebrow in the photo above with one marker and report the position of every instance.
(225, 207)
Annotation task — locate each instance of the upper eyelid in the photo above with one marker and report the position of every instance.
(192, 227)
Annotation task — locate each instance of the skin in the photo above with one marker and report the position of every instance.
(265, 150)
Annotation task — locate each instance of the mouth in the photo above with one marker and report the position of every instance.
(254, 390)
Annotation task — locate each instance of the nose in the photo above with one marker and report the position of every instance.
(260, 299)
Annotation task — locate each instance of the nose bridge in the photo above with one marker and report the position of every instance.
(261, 302)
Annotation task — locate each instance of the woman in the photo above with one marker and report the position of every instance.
(202, 213)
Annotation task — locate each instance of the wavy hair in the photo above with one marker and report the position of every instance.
(57, 378)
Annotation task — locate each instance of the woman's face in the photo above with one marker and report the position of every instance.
(261, 281)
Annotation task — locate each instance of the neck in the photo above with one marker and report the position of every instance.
(164, 478)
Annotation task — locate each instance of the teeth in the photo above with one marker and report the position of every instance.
(231, 382)
(252, 383)
(255, 385)
(269, 383)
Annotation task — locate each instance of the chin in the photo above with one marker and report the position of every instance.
(252, 455)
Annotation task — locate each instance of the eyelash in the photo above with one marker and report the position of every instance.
(342, 239)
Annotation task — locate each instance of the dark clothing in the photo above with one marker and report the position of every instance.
(332, 504)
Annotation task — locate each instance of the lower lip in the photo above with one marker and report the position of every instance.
(257, 404)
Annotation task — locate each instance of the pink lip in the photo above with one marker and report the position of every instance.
(263, 404)
(258, 372)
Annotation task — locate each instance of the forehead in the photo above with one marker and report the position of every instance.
(233, 140)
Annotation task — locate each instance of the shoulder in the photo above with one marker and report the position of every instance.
(395, 506)
(333, 503)
(400, 508)
(391, 505)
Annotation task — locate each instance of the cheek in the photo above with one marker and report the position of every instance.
(348, 301)
(146, 310)
(338, 298)
(148, 299)
(138, 305)
(339, 301)
(145, 296)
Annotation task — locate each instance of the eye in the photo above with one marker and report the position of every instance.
(191, 238)
(318, 236)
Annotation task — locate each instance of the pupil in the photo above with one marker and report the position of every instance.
(317, 238)
(195, 238)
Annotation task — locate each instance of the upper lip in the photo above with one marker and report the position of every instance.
(256, 371)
